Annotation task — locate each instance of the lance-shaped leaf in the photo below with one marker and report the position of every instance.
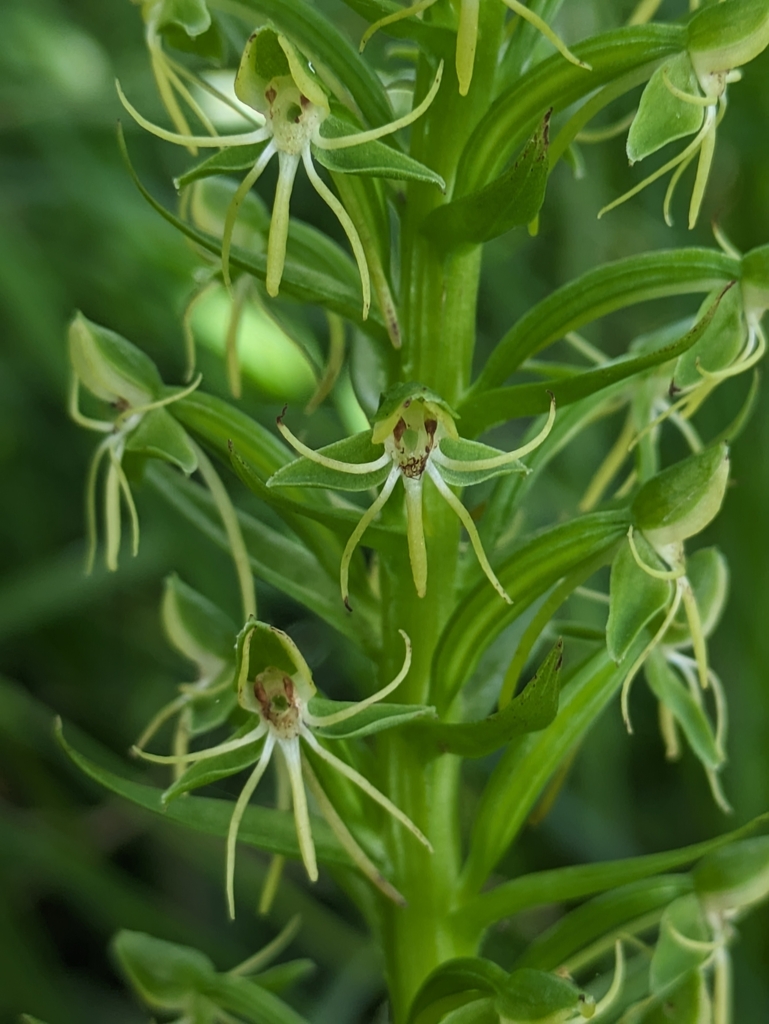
(358, 449)
(226, 161)
(529, 570)
(557, 83)
(688, 713)
(635, 597)
(453, 983)
(307, 274)
(374, 159)
(431, 37)
(373, 719)
(510, 201)
(602, 918)
(530, 996)
(533, 709)
(573, 883)
(261, 827)
(484, 409)
(604, 290)
(220, 766)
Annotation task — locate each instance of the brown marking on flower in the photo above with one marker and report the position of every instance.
(399, 430)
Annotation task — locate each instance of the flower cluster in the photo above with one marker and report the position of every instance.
(276, 691)
(291, 103)
(416, 429)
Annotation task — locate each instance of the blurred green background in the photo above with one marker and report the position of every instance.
(74, 233)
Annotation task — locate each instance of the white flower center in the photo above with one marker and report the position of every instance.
(279, 704)
(293, 119)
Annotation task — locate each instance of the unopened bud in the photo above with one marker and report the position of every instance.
(735, 876)
(727, 35)
(110, 367)
(680, 501)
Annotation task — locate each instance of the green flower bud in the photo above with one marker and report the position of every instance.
(110, 367)
(196, 627)
(164, 974)
(727, 35)
(735, 876)
(680, 501)
(721, 342)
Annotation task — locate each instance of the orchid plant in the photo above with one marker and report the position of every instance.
(441, 146)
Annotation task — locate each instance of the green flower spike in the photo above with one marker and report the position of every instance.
(687, 95)
(276, 690)
(416, 429)
(651, 578)
(117, 372)
(279, 83)
(467, 34)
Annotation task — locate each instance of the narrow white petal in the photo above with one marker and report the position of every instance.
(292, 755)
(237, 816)
(365, 785)
(363, 523)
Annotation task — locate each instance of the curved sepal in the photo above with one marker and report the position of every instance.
(635, 597)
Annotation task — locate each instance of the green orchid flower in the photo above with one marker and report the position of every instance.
(291, 104)
(651, 578)
(116, 372)
(467, 33)
(276, 691)
(416, 429)
(688, 95)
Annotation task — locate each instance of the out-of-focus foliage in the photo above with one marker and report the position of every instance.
(75, 233)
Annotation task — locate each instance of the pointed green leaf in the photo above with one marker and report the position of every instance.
(303, 472)
(210, 710)
(470, 452)
(672, 960)
(512, 200)
(663, 117)
(600, 291)
(375, 159)
(164, 974)
(635, 597)
(528, 571)
(261, 827)
(462, 978)
(159, 436)
(221, 766)
(573, 883)
(226, 161)
(373, 719)
(607, 915)
(533, 709)
(487, 408)
(689, 714)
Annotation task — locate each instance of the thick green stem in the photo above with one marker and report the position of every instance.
(438, 298)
